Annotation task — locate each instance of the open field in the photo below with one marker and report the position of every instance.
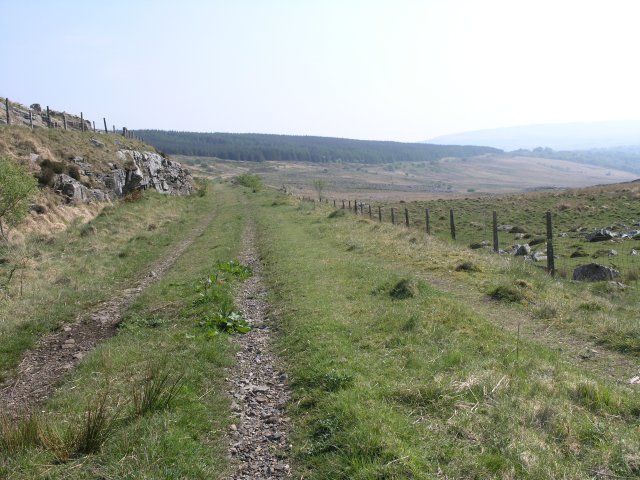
(417, 180)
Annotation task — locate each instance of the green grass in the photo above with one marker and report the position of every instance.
(162, 376)
(423, 387)
(75, 270)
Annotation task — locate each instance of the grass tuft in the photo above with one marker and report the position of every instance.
(156, 391)
(405, 288)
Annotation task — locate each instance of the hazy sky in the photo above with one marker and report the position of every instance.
(401, 70)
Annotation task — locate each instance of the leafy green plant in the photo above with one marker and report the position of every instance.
(235, 269)
(225, 322)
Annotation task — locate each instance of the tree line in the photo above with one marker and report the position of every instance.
(264, 147)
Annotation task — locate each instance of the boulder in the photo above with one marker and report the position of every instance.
(601, 235)
(478, 245)
(593, 272)
(150, 170)
(522, 250)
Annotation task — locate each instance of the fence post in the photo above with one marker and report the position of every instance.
(370, 216)
(361, 208)
(105, 125)
(334, 203)
(81, 122)
(6, 107)
(114, 129)
(406, 217)
(343, 204)
(551, 264)
(379, 213)
(453, 224)
(48, 118)
(427, 221)
(31, 119)
(355, 206)
(393, 216)
(64, 120)
(94, 125)
(124, 132)
(496, 244)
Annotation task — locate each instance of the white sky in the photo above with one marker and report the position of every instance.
(399, 70)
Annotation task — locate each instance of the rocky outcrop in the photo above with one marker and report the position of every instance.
(133, 170)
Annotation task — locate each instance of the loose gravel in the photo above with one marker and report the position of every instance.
(258, 438)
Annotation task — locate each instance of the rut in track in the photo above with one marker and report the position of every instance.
(57, 353)
(258, 440)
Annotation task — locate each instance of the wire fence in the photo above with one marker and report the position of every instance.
(565, 245)
(37, 117)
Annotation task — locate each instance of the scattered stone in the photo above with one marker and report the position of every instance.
(478, 245)
(593, 272)
(538, 257)
(612, 253)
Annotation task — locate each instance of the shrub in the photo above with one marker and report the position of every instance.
(74, 172)
(254, 182)
(337, 214)
(16, 188)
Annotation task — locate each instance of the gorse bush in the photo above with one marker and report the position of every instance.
(254, 182)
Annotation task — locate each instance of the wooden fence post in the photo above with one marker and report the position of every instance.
(406, 217)
(379, 213)
(355, 206)
(124, 132)
(343, 204)
(31, 119)
(105, 125)
(48, 118)
(6, 107)
(64, 120)
(81, 122)
(427, 221)
(94, 125)
(334, 203)
(453, 224)
(496, 244)
(393, 216)
(361, 208)
(551, 264)
(349, 204)
(370, 216)
(114, 129)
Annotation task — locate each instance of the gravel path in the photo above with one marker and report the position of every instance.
(258, 443)
(57, 353)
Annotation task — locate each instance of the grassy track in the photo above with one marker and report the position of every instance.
(423, 387)
(161, 333)
(77, 269)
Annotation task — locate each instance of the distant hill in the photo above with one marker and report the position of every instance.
(567, 136)
(263, 147)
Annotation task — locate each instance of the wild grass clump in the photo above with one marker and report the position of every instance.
(507, 293)
(467, 267)
(97, 425)
(156, 391)
(405, 288)
(16, 435)
(338, 213)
